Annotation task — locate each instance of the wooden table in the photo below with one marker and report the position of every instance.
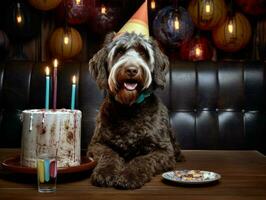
(243, 177)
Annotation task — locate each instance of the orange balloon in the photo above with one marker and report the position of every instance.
(45, 4)
(232, 37)
(205, 16)
(65, 44)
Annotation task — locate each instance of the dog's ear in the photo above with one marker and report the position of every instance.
(161, 66)
(97, 64)
(109, 38)
(97, 68)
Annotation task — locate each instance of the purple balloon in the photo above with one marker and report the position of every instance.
(168, 30)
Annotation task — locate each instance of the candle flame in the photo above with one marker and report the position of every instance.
(103, 9)
(176, 23)
(47, 71)
(153, 4)
(55, 62)
(78, 2)
(74, 80)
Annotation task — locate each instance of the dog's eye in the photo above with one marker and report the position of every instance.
(119, 51)
(142, 51)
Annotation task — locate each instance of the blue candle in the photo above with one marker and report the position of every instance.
(73, 93)
(47, 71)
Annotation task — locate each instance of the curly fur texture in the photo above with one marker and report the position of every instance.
(131, 142)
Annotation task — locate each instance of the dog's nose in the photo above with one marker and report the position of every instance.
(131, 71)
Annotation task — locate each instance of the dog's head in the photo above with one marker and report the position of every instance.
(128, 65)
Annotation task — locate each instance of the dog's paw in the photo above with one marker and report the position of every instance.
(99, 178)
(130, 180)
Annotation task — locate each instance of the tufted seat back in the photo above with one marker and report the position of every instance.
(211, 105)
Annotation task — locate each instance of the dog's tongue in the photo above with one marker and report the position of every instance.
(130, 86)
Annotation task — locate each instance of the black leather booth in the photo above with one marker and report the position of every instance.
(211, 105)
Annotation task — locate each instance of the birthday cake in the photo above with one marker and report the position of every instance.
(51, 131)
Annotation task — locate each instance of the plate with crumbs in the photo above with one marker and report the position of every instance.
(191, 176)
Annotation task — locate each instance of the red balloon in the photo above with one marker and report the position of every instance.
(196, 49)
(76, 11)
(105, 19)
(253, 7)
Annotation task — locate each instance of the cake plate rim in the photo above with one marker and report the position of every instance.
(13, 164)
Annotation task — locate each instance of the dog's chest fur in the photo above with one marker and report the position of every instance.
(134, 130)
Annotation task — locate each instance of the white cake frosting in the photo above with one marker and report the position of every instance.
(51, 131)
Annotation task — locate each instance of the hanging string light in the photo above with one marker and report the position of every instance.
(176, 23)
(234, 34)
(78, 2)
(207, 14)
(207, 7)
(173, 26)
(103, 9)
(230, 28)
(65, 33)
(206, 11)
(106, 18)
(198, 48)
(153, 4)
(19, 16)
(198, 51)
(66, 39)
(65, 43)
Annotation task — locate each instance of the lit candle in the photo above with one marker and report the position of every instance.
(73, 93)
(78, 2)
(55, 63)
(47, 91)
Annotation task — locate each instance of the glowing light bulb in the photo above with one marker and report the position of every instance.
(66, 39)
(47, 71)
(153, 4)
(176, 23)
(103, 9)
(18, 14)
(74, 79)
(19, 19)
(207, 7)
(55, 62)
(197, 51)
(78, 2)
(230, 27)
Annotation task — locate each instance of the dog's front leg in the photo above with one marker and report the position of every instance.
(141, 169)
(109, 165)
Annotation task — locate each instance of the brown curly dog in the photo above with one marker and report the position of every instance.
(133, 140)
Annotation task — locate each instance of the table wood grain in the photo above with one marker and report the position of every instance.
(243, 177)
